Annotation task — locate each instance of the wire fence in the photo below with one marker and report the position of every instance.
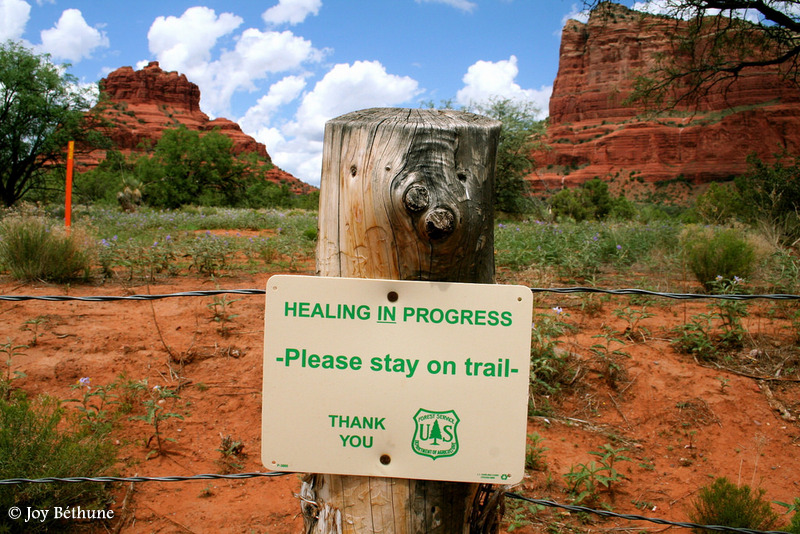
(240, 476)
(558, 290)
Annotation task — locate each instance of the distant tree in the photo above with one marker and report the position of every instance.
(518, 138)
(41, 109)
(187, 168)
(719, 40)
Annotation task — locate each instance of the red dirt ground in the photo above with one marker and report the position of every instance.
(682, 427)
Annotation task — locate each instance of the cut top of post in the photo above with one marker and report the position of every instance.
(408, 194)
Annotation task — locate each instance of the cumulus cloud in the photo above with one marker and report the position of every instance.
(186, 44)
(72, 38)
(280, 93)
(14, 15)
(487, 80)
(345, 88)
(291, 11)
(187, 41)
(463, 5)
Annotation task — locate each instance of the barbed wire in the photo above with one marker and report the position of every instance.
(208, 476)
(111, 298)
(558, 290)
(680, 296)
(632, 517)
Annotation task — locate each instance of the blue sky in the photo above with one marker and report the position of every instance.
(281, 68)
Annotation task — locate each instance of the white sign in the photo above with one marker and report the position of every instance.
(402, 379)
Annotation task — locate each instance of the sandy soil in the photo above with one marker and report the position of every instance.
(683, 423)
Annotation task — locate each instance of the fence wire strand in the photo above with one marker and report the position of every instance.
(632, 517)
(558, 290)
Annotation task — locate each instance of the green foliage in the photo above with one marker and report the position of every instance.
(9, 351)
(585, 481)
(32, 249)
(722, 503)
(551, 369)
(591, 201)
(38, 441)
(773, 195)
(534, 453)
(41, 109)
(156, 413)
(518, 138)
(220, 309)
(794, 525)
(721, 203)
(766, 195)
(712, 253)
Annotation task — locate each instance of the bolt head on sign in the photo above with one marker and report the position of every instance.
(401, 379)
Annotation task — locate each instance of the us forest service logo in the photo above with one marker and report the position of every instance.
(435, 433)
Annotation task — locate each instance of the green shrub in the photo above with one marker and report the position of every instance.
(724, 504)
(718, 253)
(37, 441)
(33, 250)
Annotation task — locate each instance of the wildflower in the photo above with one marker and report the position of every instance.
(501, 225)
(718, 278)
(736, 280)
(85, 381)
(558, 310)
(619, 247)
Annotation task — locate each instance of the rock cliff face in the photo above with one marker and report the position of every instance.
(593, 133)
(140, 105)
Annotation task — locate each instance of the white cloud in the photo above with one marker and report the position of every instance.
(71, 38)
(186, 44)
(291, 11)
(486, 80)
(576, 13)
(280, 93)
(464, 5)
(345, 88)
(186, 41)
(14, 15)
(297, 148)
(681, 10)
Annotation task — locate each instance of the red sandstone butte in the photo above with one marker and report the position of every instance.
(593, 133)
(140, 105)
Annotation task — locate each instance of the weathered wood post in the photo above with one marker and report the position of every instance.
(406, 194)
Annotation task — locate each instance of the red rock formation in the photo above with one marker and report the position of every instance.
(141, 104)
(592, 133)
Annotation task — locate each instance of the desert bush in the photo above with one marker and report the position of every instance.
(37, 441)
(592, 200)
(32, 249)
(712, 253)
(723, 503)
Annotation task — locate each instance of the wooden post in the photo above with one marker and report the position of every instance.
(406, 194)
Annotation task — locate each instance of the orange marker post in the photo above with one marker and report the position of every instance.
(68, 201)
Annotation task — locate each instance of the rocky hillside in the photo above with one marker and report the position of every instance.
(592, 133)
(141, 104)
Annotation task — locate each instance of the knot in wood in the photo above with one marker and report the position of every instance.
(440, 223)
(416, 198)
